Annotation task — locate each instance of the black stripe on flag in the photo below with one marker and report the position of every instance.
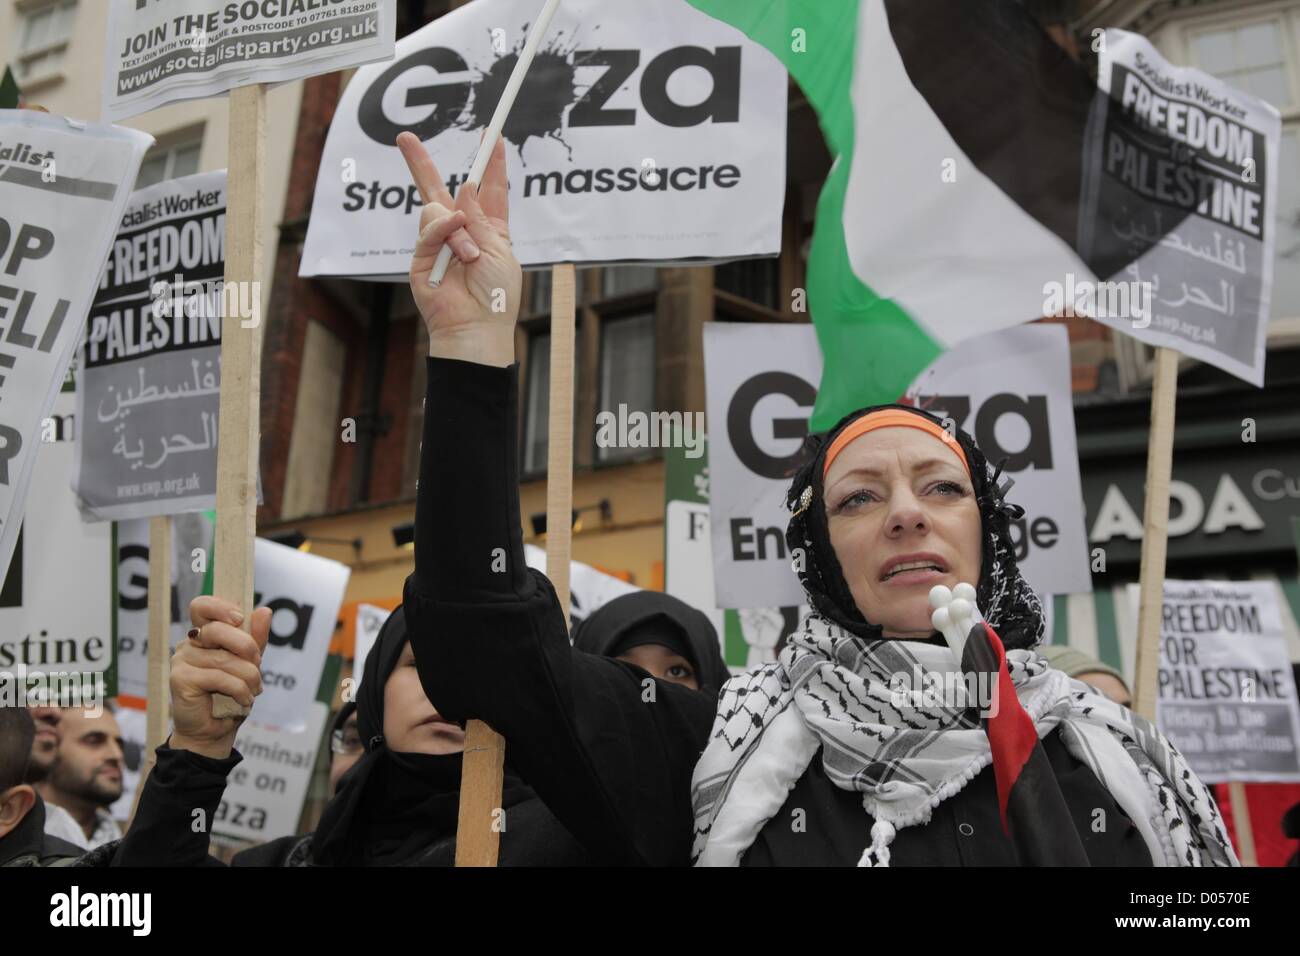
(1018, 107)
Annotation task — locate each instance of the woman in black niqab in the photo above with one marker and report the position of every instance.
(398, 807)
(651, 617)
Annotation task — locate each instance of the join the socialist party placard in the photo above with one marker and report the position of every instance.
(643, 132)
(161, 52)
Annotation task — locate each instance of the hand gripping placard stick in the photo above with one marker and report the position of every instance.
(241, 351)
(443, 262)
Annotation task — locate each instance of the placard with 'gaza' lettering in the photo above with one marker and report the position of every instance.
(643, 132)
(304, 593)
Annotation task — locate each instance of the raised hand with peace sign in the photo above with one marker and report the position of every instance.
(471, 314)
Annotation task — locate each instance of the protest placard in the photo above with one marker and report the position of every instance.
(42, 632)
(644, 132)
(1227, 697)
(192, 548)
(1197, 196)
(1010, 389)
(63, 189)
(370, 621)
(304, 593)
(159, 53)
(151, 367)
(264, 794)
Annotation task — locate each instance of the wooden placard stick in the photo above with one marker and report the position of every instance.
(241, 354)
(1241, 824)
(1155, 539)
(1155, 532)
(158, 712)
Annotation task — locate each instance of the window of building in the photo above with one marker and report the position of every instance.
(44, 32)
(537, 400)
(755, 280)
(539, 292)
(627, 373)
(626, 280)
(1251, 58)
(1286, 263)
(169, 162)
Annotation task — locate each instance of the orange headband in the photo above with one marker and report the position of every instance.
(891, 418)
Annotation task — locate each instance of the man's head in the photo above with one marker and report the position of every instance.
(89, 768)
(17, 731)
(45, 746)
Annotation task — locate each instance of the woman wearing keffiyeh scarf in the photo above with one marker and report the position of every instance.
(887, 506)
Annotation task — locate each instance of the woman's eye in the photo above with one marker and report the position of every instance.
(857, 498)
(949, 488)
(679, 671)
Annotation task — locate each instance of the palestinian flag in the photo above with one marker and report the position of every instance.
(11, 98)
(1034, 812)
(960, 135)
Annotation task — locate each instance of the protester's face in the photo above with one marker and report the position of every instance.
(1108, 684)
(342, 763)
(45, 747)
(663, 663)
(90, 757)
(900, 493)
(411, 723)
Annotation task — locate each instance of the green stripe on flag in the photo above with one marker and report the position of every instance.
(871, 347)
(1108, 652)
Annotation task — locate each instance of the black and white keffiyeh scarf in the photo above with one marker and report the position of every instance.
(835, 694)
(834, 691)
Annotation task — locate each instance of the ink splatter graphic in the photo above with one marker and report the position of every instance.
(550, 88)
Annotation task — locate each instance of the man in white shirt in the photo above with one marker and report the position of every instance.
(85, 780)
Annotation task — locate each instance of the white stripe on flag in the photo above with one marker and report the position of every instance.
(961, 257)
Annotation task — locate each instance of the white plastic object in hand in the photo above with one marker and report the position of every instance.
(443, 262)
(966, 592)
(955, 614)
